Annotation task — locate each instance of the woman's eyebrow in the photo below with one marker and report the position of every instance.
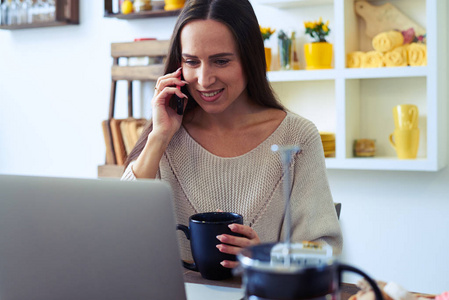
(221, 55)
(224, 54)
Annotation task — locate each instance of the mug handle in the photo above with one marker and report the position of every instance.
(343, 267)
(392, 141)
(186, 231)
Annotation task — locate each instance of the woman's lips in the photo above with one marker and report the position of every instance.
(210, 96)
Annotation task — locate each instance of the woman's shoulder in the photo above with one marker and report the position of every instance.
(298, 129)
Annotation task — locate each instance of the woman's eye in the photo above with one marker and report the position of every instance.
(191, 63)
(222, 62)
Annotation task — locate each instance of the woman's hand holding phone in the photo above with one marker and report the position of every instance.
(167, 120)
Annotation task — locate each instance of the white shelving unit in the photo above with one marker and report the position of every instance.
(358, 103)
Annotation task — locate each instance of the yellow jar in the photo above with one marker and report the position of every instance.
(268, 57)
(318, 55)
(174, 4)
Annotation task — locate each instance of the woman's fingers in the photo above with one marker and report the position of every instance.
(164, 96)
(240, 242)
(172, 79)
(245, 231)
(233, 244)
(169, 82)
(175, 74)
(229, 249)
(229, 264)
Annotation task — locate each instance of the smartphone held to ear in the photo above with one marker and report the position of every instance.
(177, 103)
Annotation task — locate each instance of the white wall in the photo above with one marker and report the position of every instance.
(54, 92)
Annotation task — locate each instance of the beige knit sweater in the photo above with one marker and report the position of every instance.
(251, 184)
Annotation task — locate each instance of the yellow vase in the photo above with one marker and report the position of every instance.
(318, 55)
(174, 4)
(268, 57)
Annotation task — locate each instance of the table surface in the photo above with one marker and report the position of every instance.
(347, 289)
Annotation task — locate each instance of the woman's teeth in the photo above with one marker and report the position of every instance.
(211, 94)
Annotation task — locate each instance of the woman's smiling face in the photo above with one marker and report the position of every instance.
(211, 65)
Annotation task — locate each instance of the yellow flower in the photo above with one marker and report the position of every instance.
(317, 29)
(309, 25)
(266, 32)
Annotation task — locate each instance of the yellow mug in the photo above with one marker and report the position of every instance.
(405, 116)
(405, 142)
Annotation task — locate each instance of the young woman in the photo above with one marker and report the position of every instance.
(216, 156)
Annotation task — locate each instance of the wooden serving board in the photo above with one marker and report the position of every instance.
(385, 17)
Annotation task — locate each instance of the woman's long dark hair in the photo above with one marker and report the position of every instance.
(239, 17)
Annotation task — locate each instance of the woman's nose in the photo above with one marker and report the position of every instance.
(206, 77)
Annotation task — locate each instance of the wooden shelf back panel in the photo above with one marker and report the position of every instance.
(143, 73)
(141, 48)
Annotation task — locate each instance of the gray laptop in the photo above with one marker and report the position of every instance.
(64, 238)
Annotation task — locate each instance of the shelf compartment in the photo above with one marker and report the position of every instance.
(369, 105)
(313, 100)
(67, 13)
(156, 12)
(355, 26)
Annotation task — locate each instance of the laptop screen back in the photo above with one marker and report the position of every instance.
(64, 238)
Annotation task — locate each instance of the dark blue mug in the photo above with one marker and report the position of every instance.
(202, 233)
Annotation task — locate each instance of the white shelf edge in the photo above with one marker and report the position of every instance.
(301, 75)
(381, 164)
(332, 74)
(293, 3)
(385, 72)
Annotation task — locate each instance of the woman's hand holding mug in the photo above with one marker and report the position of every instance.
(234, 244)
(202, 232)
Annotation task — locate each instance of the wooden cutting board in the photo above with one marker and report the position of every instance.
(117, 140)
(110, 154)
(385, 17)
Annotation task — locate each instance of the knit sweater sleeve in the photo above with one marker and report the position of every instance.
(314, 216)
(128, 174)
